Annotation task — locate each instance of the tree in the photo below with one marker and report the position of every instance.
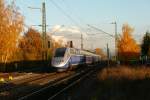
(127, 47)
(31, 45)
(145, 47)
(55, 43)
(11, 25)
(100, 52)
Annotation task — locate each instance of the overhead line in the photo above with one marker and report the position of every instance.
(68, 16)
(69, 9)
(100, 30)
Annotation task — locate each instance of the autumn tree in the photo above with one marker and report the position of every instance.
(54, 44)
(127, 47)
(145, 47)
(31, 45)
(11, 25)
(100, 52)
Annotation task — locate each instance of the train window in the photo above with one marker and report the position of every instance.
(60, 52)
(78, 52)
(71, 51)
(75, 51)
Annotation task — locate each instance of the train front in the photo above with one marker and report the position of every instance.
(60, 60)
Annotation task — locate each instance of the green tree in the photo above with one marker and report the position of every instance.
(145, 47)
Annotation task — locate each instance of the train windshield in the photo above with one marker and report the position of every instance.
(60, 52)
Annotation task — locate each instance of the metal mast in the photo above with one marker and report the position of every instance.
(44, 45)
(108, 55)
(116, 40)
(81, 41)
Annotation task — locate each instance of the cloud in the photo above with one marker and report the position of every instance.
(62, 28)
(57, 38)
(73, 33)
(67, 31)
(55, 28)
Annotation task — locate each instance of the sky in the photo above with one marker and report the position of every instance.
(69, 18)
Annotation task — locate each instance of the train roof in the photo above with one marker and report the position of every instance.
(84, 52)
(87, 52)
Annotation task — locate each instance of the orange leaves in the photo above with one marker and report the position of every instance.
(31, 45)
(11, 25)
(127, 46)
(100, 52)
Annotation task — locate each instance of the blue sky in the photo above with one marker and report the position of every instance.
(99, 13)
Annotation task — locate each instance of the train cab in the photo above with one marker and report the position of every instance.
(60, 58)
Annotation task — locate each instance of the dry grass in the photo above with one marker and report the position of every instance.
(123, 83)
(125, 72)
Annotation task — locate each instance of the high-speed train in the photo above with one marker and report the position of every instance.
(67, 58)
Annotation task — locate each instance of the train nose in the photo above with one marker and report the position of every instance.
(57, 61)
(62, 60)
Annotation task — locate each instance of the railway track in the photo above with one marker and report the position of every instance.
(30, 84)
(51, 91)
(57, 95)
(6, 75)
(23, 80)
(37, 85)
(9, 79)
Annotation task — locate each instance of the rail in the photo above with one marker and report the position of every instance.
(53, 89)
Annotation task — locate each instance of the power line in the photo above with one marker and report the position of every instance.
(71, 12)
(100, 30)
(75, 15)
(67, 15)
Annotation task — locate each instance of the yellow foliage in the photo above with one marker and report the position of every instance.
(127, 46)
(100, 52)
(31, 45)
(11, 25)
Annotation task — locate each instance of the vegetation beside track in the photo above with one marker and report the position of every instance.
(123, 83)
(125, 72)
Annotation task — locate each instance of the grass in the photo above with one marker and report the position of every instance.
(123, 83)
(125, 72)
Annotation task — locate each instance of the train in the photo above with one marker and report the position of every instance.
(66, 58)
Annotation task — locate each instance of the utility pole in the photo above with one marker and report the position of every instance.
(116, 41)
(81, 41)
(44, 39)
(12, 3)
(108, 55)
(44, 44)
